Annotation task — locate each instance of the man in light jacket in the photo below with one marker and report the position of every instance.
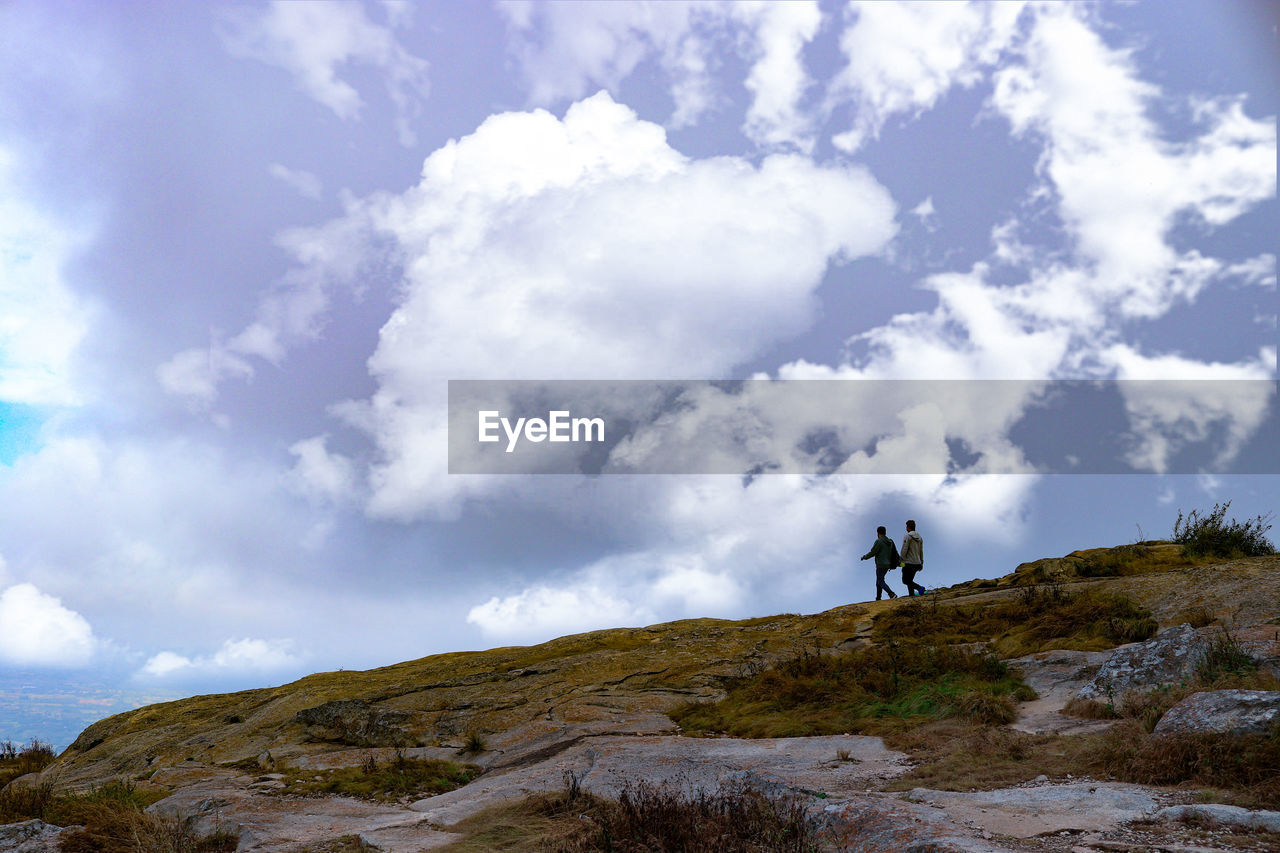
(912, 553)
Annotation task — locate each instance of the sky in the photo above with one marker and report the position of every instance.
(244, 248)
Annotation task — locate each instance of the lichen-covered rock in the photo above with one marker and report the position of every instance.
(1167, 658)
(357, 723)
(29, 836)
(1230, 711)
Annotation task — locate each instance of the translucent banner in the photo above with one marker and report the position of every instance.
(754, 427)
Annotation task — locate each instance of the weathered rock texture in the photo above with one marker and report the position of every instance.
(30, 836)
(1167, 658)
(1231, 711)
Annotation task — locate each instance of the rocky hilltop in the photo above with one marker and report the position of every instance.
(596, 707)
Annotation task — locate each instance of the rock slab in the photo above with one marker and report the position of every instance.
(1226, 817)
(1236, 712)
(29, 836)
(1167, 658)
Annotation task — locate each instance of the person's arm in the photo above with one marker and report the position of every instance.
(875, 549)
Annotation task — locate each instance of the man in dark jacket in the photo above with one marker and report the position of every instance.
(883, 550)
(912, 555)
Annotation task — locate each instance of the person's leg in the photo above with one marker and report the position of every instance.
(881, 585)
(909, 578)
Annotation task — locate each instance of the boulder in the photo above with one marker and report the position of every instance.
(1167, 658)
(1235, 712)
(29, 836)
(357, 723)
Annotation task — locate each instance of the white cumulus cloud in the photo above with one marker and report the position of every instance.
(901, 57)
(234, 657)
(36, 629)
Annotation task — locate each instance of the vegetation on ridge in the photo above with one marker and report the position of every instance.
(1035, 619)
(1212, 535)
(856, 691)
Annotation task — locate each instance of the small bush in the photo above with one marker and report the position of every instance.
(473, 744)
(988, 709)
(1212, 535)
(1225, 656)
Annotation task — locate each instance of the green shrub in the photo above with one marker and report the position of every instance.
(1212, 535)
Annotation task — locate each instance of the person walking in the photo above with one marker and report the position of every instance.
(886, 554)
(912, 558)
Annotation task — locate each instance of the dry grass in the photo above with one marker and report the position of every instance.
(112, 820)
(1244, 767)
(956, 755)
(952, 755)
(18, 761)
(866, 690)
(644, 819)
(113, 830)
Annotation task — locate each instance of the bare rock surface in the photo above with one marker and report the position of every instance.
(1230, 711)
(1166, 658)
(603, 765)
(271, 822)
(29, 836)
(1056, 676)
(1025, 812)
(1226, 817)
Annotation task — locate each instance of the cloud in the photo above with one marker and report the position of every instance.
(88, 507)
(312, 40)
(319, 474)
(901, 58)
(235, 657)
(37, 630)
(587, 247)
(196, 373)
(306, 183)
(42, 321)
(565, 50)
